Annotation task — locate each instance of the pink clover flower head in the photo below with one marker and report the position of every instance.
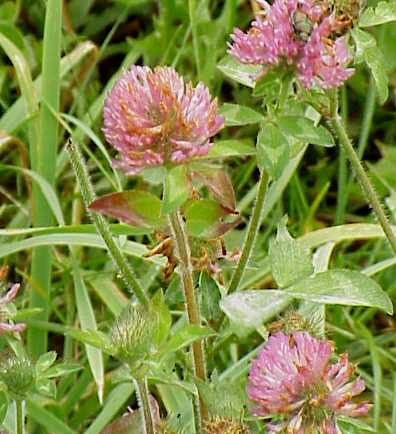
(302, 33)
(152, 117)
(324, 62)
(5, 326)
(293, 378)
(270, 38)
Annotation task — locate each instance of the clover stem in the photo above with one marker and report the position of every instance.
(143, 398)
(183, 253)
(19, 416)
(251, 235)
(337, 127)
(102, 227)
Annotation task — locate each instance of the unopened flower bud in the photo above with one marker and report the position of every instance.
(132, 335)
(17, 374)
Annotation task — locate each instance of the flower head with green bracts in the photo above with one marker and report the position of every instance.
(293, 379)
(152, 117)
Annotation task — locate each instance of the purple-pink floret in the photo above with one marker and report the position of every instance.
(152, 117)
(7, 327)
(270, 39)
(293, 379)
(323, 61)
(275, 38)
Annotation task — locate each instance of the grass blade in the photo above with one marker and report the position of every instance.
(87, 320)
(44, 163)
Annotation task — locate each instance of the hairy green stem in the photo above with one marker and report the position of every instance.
(143, 398)
(251, 234)
(337, 126)
(342, 186)
(183, 253)
(19, 416)
(88, 196)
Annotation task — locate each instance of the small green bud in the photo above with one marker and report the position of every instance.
(17, 374)
(132, 335)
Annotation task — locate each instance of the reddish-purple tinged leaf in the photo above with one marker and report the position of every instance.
(205, 218)
(218, 183)
(137, 208)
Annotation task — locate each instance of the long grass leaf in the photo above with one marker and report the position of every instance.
(47, 419)
(44, 163)
(87, 320)
(115, 401)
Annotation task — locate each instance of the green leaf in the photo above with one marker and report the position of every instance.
(289, 260)
(86, 317)
(231, 148)
(237, 115)
(367, 51)
(384, 12)
(378, 66)
(239, 72)
(345, 287)
(94, 338)
(186, 336)
(345, 422)
(17, 113)
(61, 369)
(250, 309)
(46, 387)
(109, 292)
(68, 239)
(46, 189)
(8, 11)
(45, 361)
(304, 129)
(164, 316)
(217, 182)
(268, 84)
(177, 189)
(210, 296)
(114, 404)
(204, 219)
(363, 41)
(137, 208)
(46, 418)
(273, 151)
